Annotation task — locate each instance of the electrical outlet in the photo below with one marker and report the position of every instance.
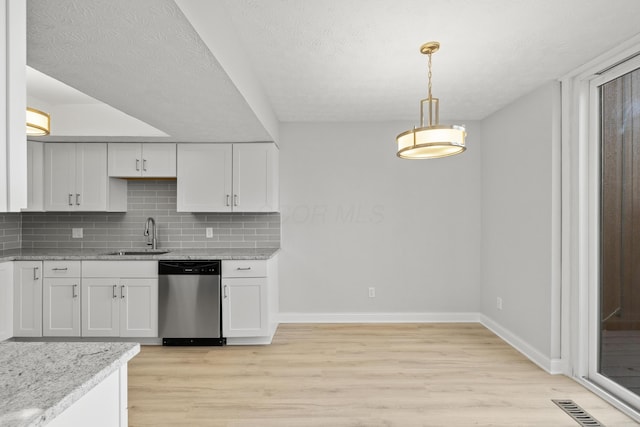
(209, 231)
(372, 292)
(499, 303)
(76, 233)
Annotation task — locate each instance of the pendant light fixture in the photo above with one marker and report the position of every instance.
(38, 122)
(433, 140)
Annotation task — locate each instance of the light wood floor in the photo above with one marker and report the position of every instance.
(355, 375)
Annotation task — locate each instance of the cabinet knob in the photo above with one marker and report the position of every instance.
(114, 291)
(75, 291)
(144, 165)
(70, 201)
(122, 291)
(138, 165)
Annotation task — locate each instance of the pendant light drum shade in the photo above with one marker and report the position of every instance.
(431, 142)
(38, 122)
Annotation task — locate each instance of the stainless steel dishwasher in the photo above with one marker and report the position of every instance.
(189, 310)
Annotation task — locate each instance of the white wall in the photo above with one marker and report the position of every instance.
(355, 216)
(519, 212)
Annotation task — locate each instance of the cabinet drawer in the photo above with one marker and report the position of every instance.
(122, 269)
(61, 269)
(239, 268)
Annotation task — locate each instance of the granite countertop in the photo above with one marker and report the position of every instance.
(107, 254)
(39, 380)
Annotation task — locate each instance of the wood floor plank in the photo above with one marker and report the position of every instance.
(355, 375)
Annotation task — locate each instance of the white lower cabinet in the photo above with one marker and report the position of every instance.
(121, 305)
(61, 299)
(6, 300)
(244, 307)
(61, 307)
(27, 298)
(249, 299)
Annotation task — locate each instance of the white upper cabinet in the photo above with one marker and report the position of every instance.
(227, 178)
(76, 179)
(130, 160)
(255, 178)
(204, 178)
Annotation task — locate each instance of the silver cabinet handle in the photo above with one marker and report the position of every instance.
(114, 291)
(243, 268)
(35, 273)
(228, 196)
(75, 291)
(70, 202)
(138, 165)
(235, 200)
(144, 165)
(225, 292)
(59, 268)
(122, 291)
(77, 199)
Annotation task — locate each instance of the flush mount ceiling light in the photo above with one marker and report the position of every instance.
(434, 140)
(38, 122)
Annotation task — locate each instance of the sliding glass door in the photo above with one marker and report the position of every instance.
(618, 310)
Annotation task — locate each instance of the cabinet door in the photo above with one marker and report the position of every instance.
(91, 177)
(100, 307)
(35, 176)
(6, 300)
(204, 178)
(27, 299)
(159, 160)
(61, 307)
(60, 175)
(139, 307)
(244, 307)
(255, 178)
(125, 160)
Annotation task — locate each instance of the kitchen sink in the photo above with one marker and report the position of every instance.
(142, 252)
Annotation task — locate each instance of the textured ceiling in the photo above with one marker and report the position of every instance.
(318, 60)
(359, 59)
(143, 58)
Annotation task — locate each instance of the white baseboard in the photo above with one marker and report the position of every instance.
(552, 366)
(379, 317)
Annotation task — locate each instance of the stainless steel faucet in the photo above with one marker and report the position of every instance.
(151, 239)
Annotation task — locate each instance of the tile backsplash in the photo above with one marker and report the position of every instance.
(10, 231)
(146, 198)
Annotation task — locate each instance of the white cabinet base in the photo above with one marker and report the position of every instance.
(254, 340)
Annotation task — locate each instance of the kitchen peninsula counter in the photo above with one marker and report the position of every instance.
(40, 380)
